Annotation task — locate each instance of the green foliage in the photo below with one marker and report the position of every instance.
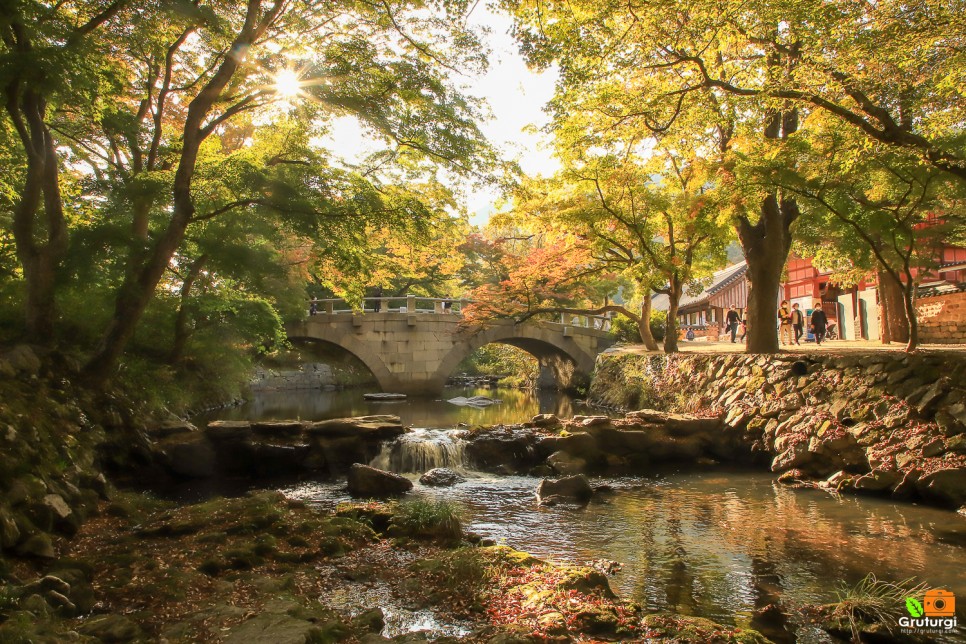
(500, 360)
(658, 324)
(8, 600)
(625, 329)
(630, 382)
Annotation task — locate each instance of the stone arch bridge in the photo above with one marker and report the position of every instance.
(412, 345)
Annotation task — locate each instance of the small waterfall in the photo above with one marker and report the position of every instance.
(421, 450)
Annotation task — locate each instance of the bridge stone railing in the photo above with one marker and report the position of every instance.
(438, 305)
(400, 304)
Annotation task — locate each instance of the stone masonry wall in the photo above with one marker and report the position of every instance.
(315, 375)
(942, 319)
(884, 422)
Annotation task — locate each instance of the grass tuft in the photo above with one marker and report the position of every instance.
(419, 519)
(873, 601)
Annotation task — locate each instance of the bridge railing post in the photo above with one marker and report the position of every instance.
(410, 304)
(329, 307)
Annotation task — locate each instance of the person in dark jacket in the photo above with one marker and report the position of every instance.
(733, 320)
(819, 323)
(798, 323)
(377, 295)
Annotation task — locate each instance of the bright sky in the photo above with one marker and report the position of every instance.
(516, 97)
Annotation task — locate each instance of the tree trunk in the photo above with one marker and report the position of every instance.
(895, 321)
(40, 192)
(765, 246)
(644, 324)
(909, 300)
(675, 290)
(181, 333)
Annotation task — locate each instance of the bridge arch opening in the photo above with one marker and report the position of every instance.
(499, 360)
(352, 368)
(554, 367)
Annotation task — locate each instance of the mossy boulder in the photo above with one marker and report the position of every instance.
(697, 630)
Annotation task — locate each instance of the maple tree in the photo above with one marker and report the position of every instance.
(656, 222)
(537, 273)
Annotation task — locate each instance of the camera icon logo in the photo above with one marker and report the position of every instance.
(939, 603)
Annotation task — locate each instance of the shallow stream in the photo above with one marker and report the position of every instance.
(720, 544)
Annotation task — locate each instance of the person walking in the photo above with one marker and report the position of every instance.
(798, 323)
(733, 320)
(744, 329)
(377, 294)
(819, 323)
(785, 323)
(313, 306)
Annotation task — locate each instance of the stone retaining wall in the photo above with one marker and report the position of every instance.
(314, 375)
(882, 422)
(942, 319)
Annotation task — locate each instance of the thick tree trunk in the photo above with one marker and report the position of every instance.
(40, 260)
(675, 290)
(895, 321)
(644, 324)
(765, 246)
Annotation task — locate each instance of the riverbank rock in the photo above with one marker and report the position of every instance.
(545, 420)
(384, 396)
(50, 455)
(276, 448)
(111, 628)
(372, 427)
(568, 488)
(190, 456)
(475, 401)
(565, 463)
(441, 477)
(365, 481)
(507, 448)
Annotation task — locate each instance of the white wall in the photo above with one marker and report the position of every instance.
(872, 307)
(847, 323)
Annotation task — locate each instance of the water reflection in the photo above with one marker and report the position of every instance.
(517, 406)
(722, 545)
(718, 545)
